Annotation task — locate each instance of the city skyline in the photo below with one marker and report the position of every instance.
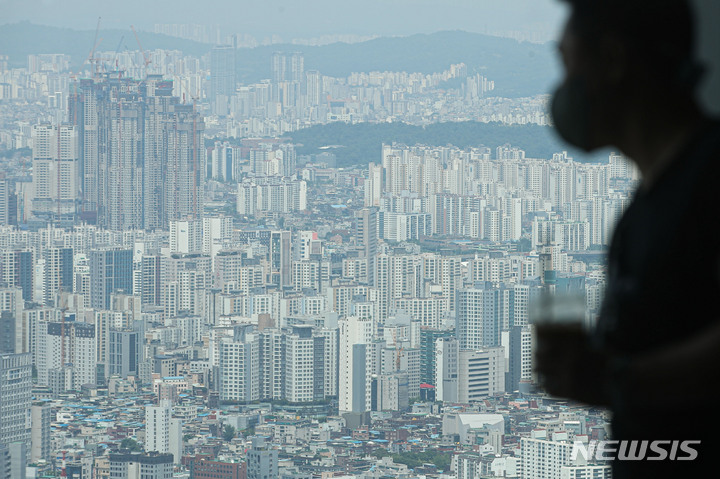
(296, 261)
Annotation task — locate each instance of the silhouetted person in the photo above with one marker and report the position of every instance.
(654, 358)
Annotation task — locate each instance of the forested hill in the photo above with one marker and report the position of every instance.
(518, 69)
(361, 143)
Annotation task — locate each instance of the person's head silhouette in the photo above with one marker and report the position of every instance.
(622, 59)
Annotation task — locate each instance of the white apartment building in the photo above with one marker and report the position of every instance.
(163, 433)
(547, 456)
(58, 345)
(446, 370)
(356, 364)
(55, 163)
(302, 366)
(239, 362)
(271, 194)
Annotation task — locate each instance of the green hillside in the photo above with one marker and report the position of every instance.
(361, 143)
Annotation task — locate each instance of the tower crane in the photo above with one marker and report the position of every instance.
(117, 52)
(89, 58)
(142, 50)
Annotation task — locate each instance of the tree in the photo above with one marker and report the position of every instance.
(131, 444)
(380, 453)
(228, 433)
(524, 245)
(416, 459)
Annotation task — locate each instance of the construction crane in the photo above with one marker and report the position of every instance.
(91, 59)
(135, 65)
(142, 50)
(117, 52)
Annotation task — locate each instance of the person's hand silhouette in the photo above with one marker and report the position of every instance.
(568, 367)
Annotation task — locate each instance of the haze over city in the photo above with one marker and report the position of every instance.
(299, 19)
(294, 240)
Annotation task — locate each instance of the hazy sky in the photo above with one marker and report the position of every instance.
(296, 18)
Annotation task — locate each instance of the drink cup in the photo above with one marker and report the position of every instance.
(555, 318)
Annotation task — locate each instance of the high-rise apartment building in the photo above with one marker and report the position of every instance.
(428, 363)
(280, 258)
(69, 349)
(40, 418)
(58, 273)
(331, 342)
(222, 72)
(288, 77)
(141, 152)
(288, 67)
(478, 316)
(223, 164)
(183, 183)
(366, 237)
(314, 87)
(123, 352)
(163, 433)
(13, 459)
(8, 202)
(151, 292)
(272, 194)
(517, 342)
(16, 269)
(13, 331)
(186, 236)
(296, 67)
(549, 456)
(374, 185)
(15, 397)
(304, 365)
(5, 462)
(405, 360)
(110, 271)
(356, 364)
(297, 364)
(278, 67)
(239, 365)
(390, 392)
(404, 226)
(55, 169)
(446, 369)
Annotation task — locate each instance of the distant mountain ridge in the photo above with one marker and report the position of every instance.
(18, 40)
(518, 69)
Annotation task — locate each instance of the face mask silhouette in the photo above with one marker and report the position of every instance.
(570, 110)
